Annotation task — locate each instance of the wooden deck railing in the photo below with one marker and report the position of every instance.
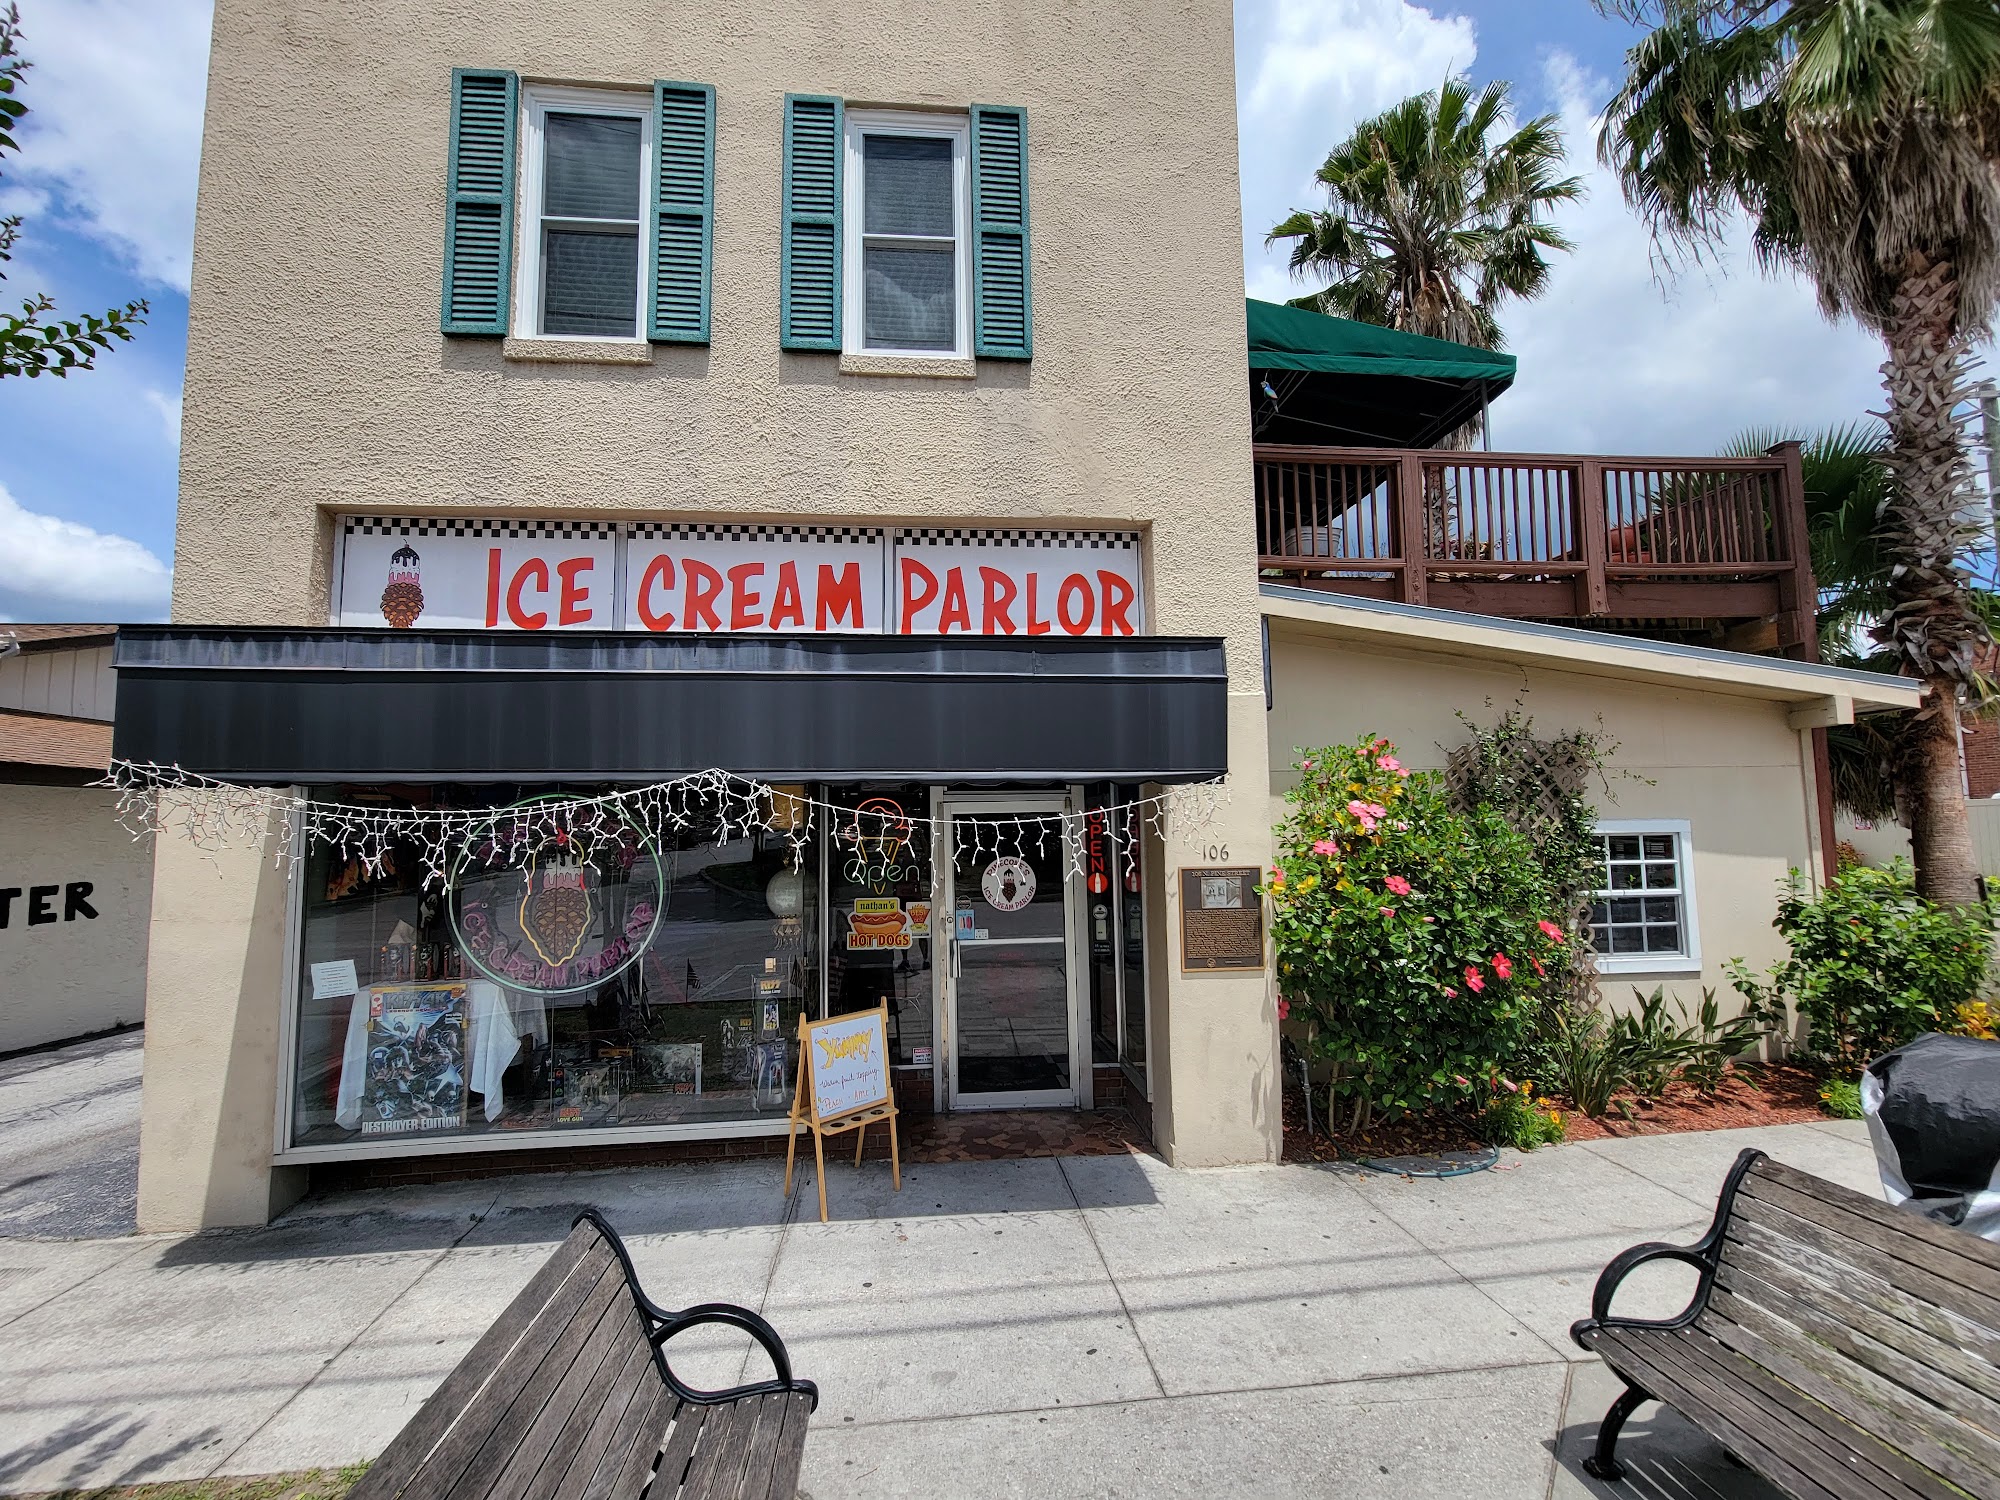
(1545, 536)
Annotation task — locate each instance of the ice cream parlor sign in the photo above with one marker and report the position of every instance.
(437, 573)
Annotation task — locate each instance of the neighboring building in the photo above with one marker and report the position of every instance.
(75, 889)
(593, 396)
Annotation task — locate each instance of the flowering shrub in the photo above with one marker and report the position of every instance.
(1517, 1118)
(1414, 941)
(1873, 964)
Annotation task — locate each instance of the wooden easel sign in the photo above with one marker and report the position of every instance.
(843, 1085)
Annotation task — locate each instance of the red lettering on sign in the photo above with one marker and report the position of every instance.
(914, 574)
(954, 606)
(703, 585)
(492, 587)
(1035, 626)
(787, 608)
(1077, 586)
(659, 574)
(840, 596)
(1118, 595)
(538, 570)
(999, 590)
(570, 602)
(743, 598)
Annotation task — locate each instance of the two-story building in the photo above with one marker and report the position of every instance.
(851, 400)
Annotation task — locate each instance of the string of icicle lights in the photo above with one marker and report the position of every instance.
(156, 800)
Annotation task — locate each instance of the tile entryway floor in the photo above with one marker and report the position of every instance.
(1003, 1135)
(1038, 1327)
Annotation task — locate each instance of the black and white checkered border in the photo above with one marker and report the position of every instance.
(971, 536)
(708, 531)
(468, 526)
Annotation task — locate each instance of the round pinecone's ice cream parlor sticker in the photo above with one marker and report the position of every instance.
(1008, 884)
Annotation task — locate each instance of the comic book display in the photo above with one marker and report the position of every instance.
(416, 1059)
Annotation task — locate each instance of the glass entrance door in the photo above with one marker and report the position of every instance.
(1010, 994)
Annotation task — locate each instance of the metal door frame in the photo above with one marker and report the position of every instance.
(950, 804)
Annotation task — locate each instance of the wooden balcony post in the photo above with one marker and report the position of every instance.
(1413, 527)
(1798, 593)
(1592, 526)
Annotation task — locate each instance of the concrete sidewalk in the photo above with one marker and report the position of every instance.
(1085, 1327)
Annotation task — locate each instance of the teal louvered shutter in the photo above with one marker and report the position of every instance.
(479, 213)
(683, 212)
(1002, 310)
(809, 275)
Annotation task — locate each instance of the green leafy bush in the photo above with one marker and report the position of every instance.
(1841, 1098)
(1411, 939)
(1872, 963)
(1520, 1120)
(1592, 1059)
(1573, 1054)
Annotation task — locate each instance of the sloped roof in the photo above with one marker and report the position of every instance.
(52, 740)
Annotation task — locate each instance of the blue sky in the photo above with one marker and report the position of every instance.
(1612, 360)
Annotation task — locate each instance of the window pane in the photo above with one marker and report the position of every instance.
(1626, 910)
(1659, 846)
(907, 181)
(590, 283)
(1663, 940)
(1663, 909)
(909, 296)
(1627, 940)
(592, 167)
(1622, 845)
(1624, 877)
(1662, 877)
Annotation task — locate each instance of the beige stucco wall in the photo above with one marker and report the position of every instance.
(1732, 767)
(317, 381)
(69, 974)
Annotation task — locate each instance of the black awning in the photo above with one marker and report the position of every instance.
(318, 706)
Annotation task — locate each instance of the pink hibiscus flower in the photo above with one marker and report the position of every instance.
(1387, 911)
(1325, 846)
(1552, 932)
(1473, 981)
(1450, 993)
(1390, 763)
(1284, 1010)
(1397, 885)
(1503, 966)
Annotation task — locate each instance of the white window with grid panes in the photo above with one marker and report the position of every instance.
(584, 269)
(1642, 917)
(909, 235)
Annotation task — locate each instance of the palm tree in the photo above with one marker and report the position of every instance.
(1432, 222)
(1860, 138)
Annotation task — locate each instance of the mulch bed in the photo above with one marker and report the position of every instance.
(1780, 1095)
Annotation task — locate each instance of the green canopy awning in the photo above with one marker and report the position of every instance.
(1355, 384)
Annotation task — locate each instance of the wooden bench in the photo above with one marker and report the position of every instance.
(1835, 1345)
(570, 1394)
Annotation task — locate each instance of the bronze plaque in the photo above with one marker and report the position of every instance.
(1222, 919)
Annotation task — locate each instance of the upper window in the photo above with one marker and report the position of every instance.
(908, 217)
(1642, 914)
(583, 263)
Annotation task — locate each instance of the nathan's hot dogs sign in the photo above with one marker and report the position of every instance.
(442, 573)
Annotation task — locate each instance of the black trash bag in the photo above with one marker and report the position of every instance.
(1933, 1112)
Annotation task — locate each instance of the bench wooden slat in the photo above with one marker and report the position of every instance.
(1788, 1284)
(407, 1451)
(1968, 1282)
(766, 1447)
(782, 1480)
(1858, 1449)
(1933, 1439)
(1935, 1336)
(573, 1460)
(1784, 1449)
(677, 1450)
(619, 1330)
(718, 1456)
(498, 1434)
(1921, 1236)
(635, 1443)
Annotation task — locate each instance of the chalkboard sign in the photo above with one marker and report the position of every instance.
(1222, 919)
(848, 1063)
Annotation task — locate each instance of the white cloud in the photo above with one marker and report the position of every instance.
(169, 408)
(1307, 72)
(114, 123)
(1615, 360)
(51, 569)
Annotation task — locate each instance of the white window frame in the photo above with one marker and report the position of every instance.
(538, 102)
(1688, 960)
(854, 201)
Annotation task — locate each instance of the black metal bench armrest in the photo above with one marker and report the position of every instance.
(1703, 1255)
(730, 1316)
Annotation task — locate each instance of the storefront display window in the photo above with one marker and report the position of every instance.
(879, 919)
(596, 977)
